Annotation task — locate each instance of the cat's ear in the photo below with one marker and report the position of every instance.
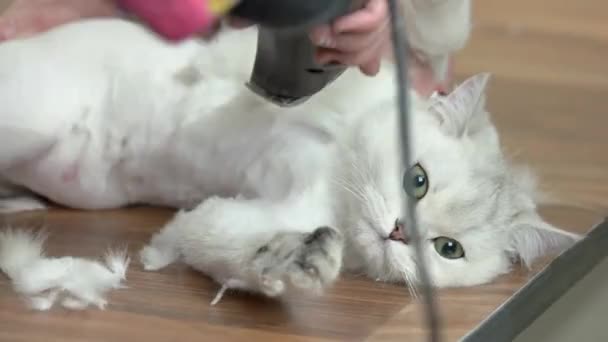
(463, 110)
(532, 237)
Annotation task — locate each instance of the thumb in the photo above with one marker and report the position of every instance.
(238, 23)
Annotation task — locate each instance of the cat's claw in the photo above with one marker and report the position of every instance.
(306, 263)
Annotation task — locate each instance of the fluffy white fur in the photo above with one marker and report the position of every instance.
(101, 114)
(76, 282)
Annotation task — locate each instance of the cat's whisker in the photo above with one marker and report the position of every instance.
(356, 175)
(363, 175)
(365, 196)
(410, 282)
(350, 189)
(404, 271)
(378, 209)
(363, 172)
(390, 272)
(357, 188)
(411, 287)
(356, 185)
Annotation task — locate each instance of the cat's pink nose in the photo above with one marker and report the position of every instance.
(399, 233)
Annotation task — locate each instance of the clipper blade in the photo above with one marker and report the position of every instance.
(279, 100)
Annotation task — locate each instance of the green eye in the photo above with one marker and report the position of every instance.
(416, 182)
(448, 248)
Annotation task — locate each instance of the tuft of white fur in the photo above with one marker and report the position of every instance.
(76, 282)
(118, 262)
(19, 249)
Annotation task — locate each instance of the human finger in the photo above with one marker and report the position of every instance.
(372, 67)
(238, 23)
(366, 19)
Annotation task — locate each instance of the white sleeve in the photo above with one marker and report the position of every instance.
(437, 28)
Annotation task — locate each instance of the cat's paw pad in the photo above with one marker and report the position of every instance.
(319, 262)
(271, 286)
(303, 262)
(154, 259)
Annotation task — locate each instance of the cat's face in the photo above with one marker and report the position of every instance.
(476, 213)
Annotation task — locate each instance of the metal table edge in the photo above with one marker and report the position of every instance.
(546, 287)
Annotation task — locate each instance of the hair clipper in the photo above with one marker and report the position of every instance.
(285, 71)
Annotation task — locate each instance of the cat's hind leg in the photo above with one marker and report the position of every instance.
(27, 126)
(19, 146)
(252, 245)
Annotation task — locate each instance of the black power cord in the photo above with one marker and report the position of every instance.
(400, 47)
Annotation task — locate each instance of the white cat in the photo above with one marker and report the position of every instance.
(101, 114)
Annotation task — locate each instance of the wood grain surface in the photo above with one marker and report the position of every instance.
(549, 98)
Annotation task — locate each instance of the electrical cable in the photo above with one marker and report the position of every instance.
(400, 50)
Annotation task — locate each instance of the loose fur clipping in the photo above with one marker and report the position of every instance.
(75, 282)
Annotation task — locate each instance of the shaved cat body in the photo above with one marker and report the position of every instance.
(101, 114)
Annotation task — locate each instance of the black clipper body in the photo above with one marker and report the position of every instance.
(285, 71)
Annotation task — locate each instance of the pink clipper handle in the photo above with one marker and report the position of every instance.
(173, 19)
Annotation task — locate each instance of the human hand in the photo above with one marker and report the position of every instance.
(24, 18)
(363, 39)
(358, 39)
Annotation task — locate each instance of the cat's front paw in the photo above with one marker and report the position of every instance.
(301, 262)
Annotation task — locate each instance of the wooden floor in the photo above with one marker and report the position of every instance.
(549, 98)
